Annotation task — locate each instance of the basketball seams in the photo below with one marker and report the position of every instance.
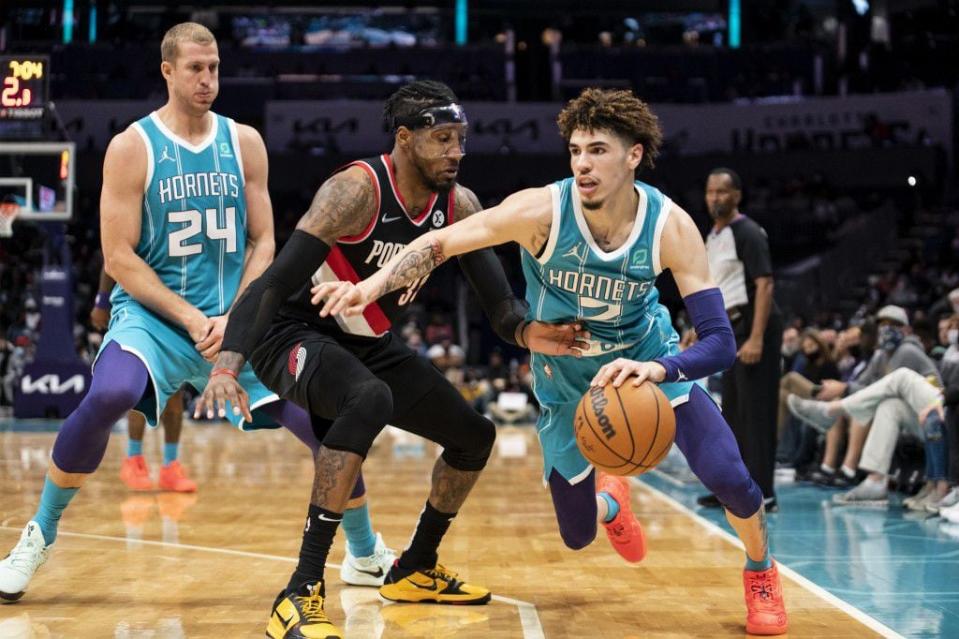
(599, 438)
(656, 450)
(629, 427)
(652, 441)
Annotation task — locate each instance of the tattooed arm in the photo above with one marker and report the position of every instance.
(523, 217)
(342, 206)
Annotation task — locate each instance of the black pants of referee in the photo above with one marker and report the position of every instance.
(750, 404)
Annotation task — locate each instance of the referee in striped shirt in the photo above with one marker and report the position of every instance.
(739, 262)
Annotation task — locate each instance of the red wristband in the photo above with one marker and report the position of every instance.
(223, 371)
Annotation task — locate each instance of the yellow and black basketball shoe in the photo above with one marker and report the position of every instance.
(437, 585)
(300, 615)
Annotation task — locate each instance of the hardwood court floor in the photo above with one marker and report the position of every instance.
(167, 566)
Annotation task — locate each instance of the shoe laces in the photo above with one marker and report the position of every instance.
(311, 607)
(762, 590)
(439, 572)
(24, 557)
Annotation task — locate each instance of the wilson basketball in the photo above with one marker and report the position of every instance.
(625, 430)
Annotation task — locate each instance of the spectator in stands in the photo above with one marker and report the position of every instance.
(414, 340)
(790, 349)
(949, 505)
(438, 329)
(924, 330)
(446, 354)
(797, 446)
(898, 391)
(858, 344)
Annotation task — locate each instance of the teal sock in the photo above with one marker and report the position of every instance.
(170, 452)
(765, 564)
(134, 447)
(359, 531)
(612, 506)
(53, 500)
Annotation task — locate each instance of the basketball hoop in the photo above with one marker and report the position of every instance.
(8, 213)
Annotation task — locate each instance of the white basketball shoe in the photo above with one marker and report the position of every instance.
(368, 571)
(17, 568)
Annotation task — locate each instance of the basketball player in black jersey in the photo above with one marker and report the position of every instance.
(353, 375)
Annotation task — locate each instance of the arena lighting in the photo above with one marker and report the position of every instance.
(734, 24)
(67, 21)
(861, 6)
(911, 180)
(92, 31)
(461, 17)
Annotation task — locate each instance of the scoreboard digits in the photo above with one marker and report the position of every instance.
(23, 86)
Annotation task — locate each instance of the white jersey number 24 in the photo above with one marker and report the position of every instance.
(178, 239)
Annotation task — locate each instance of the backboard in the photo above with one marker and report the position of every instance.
(40, 178)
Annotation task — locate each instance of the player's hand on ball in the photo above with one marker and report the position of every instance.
(210, 346)
(220, 389)
(339, 297)
(556, 339)
(618, 371)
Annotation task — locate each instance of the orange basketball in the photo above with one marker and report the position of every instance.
(625, 430)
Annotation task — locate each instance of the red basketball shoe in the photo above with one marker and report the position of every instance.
(135, 474)
(173, 478)
(765, 608)
(625, 532)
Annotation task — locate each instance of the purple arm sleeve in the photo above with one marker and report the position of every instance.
(716, 349)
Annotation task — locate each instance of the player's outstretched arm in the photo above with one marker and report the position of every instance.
(519, 218)
(121, 199)
(342, 206)
(682, 251)
(505, 311)
(260, 244)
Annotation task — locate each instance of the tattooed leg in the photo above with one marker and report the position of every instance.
(450, 486)
(753, 532)
(333, 479)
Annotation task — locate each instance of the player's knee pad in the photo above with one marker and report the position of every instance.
(474, 443)
(111, 401)
(735, 489)
(362, 414)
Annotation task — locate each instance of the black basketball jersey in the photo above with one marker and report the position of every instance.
(357, 257)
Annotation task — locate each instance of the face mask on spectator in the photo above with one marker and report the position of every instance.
(952, 335)
(788, 350)
(890, 337)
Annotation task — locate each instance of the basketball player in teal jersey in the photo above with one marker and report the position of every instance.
(186, 224)
(592, 246)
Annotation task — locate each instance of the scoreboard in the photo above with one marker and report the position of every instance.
(24, 86)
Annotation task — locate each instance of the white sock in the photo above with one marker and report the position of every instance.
(826, 468)
(847, 471)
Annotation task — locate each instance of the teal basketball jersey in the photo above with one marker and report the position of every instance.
(193, 230)
(614, 292)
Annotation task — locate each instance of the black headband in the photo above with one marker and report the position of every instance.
(451, 113)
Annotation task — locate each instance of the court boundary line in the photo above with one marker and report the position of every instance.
(864, 618)
(528, 615)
